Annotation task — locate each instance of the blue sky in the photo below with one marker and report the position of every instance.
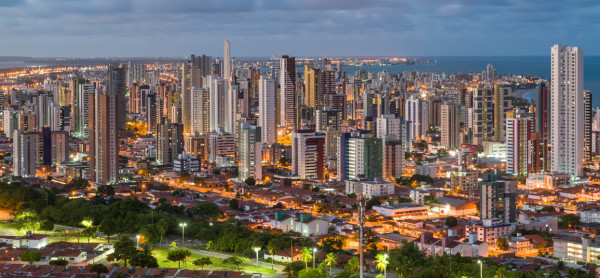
(85, 28)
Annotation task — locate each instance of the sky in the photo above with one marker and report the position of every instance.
(258, 28)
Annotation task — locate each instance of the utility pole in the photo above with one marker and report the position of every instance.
(361, 221)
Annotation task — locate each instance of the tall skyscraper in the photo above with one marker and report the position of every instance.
(59, 149)
(103, 137)
(25, 153)
(502, 104)
(191, 76)
(287, 91)
(587, 125)
(267, 110)
(117, 77)
(483, 115)
(325, 86)
(450, 126)
(169, 142)
(81, 111)
(218, 103)
(542, 110)
(567, 98)
(310, 86)
(250, 152)
(200, 111)
(227, 60)
(416, 112)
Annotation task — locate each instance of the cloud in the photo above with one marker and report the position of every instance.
(308, 27)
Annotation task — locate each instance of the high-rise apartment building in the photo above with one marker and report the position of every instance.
(103, 137)
(483, 115)
(308, 154)
(169, 143)
(450, 126)
(416, 114)
(310, 86)
(25, 153)
(200, 111)
(117, 78)
(287, 91)
(497, 198)
(502, 104)
(587, 125)
(519, 127)
(267, 111)
(328, 118)
(250, 152)
(567, 106)
(227, 60)
(359, 156)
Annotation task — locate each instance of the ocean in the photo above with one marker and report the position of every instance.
(521, 65)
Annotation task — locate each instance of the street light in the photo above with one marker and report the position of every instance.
(256, 249)
(137, 241)
(480, 268)
(314, 255)
(182, 225)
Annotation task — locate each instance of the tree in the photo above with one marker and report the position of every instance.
(250, 181)
(46, 225)
(548, 209)
(105, 190)
(382, 261)
(234, 204)
(451, 221)
(31, 256)
(124, 250)
(311, 273)
(98, 268)
(292, 269)
(202, 261)
(206, 211)
(142, 259)
(89, 232)
(331, 260)
(27, 220)
(178, 255)
(306, 255)
(502, 244)
(235, 260)
(353, 265)
(568, 220)
(332, 244)
(346, 274)
(108, 227)
(275, 245)
(59, 262)
(162, 228)
(77, 184)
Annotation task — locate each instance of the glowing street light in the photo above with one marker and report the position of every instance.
(480, 268)
(256, 249)
(137, 241)
(182, 225)
(314, 255)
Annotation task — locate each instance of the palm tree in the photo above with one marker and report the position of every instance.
(331, 260)
(306, 255)
(382, 262)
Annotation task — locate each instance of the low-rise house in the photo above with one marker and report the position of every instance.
(29, 240)
(489, 230)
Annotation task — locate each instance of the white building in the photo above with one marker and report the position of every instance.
(369, 189)
(567, 110)
(10, 121)
(416, 111)
(218, 103)
(450, 126)
(518, 151)
(250, 152)
(308, 154)
(200, 109)
(397, 211)
(266, 107)
(187, 163)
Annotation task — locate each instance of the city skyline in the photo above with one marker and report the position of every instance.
(265, 28)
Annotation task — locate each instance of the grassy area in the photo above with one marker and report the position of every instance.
(217, 263)
(11, 226)
(81, 239)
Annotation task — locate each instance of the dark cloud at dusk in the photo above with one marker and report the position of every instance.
(84, 28)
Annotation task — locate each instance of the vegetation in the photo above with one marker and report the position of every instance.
(31, 256)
